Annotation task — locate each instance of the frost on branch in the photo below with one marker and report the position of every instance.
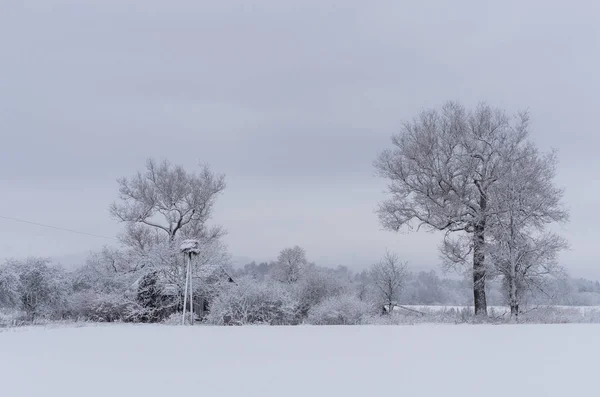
(168, 198)
(442, 169)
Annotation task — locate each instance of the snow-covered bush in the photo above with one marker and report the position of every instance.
(98, 307)
(251, 302)
(11, 318)
(36, 288)
(340, 310)
(560, 315)
(175, 319)
(315, 286)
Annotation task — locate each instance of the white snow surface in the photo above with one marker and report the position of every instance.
(420, 360)
(190, 245)
(498, 310)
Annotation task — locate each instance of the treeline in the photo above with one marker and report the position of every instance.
(429, 288)
(472, 174)
(288, 291)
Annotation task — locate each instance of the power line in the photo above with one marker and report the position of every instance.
(55, 227)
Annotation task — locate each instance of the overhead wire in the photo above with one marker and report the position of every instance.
(76, 232)
(55, 227)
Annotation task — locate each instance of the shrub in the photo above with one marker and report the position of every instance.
(91, 306)
(340, 310)
(250, 302)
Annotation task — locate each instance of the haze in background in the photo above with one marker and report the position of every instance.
(292, 100)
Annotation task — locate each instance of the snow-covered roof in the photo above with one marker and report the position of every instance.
(190, 246)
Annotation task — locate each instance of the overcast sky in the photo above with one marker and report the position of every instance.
(292, 100)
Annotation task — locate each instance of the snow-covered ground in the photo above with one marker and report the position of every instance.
(421, 360)
(497, 310)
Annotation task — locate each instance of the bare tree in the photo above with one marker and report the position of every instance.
(441, 170)
(164, 204)
(291, 263)
(168, 198)
(522, 250)
(388, 277)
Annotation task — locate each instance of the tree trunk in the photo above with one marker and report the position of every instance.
(513, 299)
(479, 269)
(514, 309)
(512, 294)
(389, 307)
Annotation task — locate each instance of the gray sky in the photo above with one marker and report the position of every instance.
(291, 99)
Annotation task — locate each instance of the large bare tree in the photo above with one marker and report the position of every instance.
(441, 170)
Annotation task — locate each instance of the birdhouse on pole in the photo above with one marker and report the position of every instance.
(189, 248)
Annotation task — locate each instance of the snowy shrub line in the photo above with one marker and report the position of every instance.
(340, 310)
(561, 315)
(496, 315)
(99, 307)
(10, 319)
(289, 292)
(248, 302)
(17, 320)
(145, 279)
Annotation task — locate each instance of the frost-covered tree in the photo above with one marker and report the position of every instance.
(256, 271)
(316, 285)
(522, 250)
(362, 286)
(153, 299)
(161, 276)
(426, 288)
(388, 277)
(254, 302)
(9, 286)
(441, 170)
(99, 288)
(108, 269)
(42, 289)
(168, 198)
(161, 206)
(291, 264)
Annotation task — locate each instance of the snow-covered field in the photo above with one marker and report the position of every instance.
(421, 360)
(497, 310)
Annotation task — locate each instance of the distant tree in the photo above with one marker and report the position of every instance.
(257, 271)
(291, 263)
(389, 276)
(316, 285)
(42, 289)
(442, 169)
(362, 285)
(425, 288)
(9, 286)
